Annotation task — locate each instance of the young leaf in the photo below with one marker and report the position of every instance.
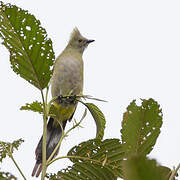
(140, 168)
(6, 147)
(7, 176)
(141, 127)
(35, 106)
(38, 107)
(31, 52)
(98, 117)
(108, 153)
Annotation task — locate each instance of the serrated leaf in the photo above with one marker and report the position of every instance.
(141, 127)
(98, 117)
(85, 170)
(7, 176)
(107, 153)
(141, 168)
(35, 106)
(31, 52)
(6, 148)
(38, 107)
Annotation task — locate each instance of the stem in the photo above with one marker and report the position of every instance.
(49, 105)
(75, 157)
(174, 172)
(85, 159)
(44, 103)
(77, 124)
(44, 167)
(64, 135)
(11, 156)
(45, 117)
(17, 167)
(47, 90)
(57, 146)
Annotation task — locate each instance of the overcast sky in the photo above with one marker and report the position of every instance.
(136, 55)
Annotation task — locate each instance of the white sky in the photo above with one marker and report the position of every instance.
(136, 55)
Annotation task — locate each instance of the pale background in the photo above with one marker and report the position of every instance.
(136, 55)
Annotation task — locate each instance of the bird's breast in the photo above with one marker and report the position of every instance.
(67, 77)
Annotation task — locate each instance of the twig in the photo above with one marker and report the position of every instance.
(57, 146)
(11, 156)
(47, 90)
(64, 135)
(85, 159)
(174, 172)
(83, 96)
(17, 167)
(75, 157)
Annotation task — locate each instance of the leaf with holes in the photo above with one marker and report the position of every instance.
(31, 52)
(108, 153)
(84, 170)
(141, 127)
(6, 147)
(139, 167)
(98, 118)
(35, 106)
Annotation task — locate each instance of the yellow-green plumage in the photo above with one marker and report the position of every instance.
(67, 79)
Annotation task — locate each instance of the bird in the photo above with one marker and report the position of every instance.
(67, 79)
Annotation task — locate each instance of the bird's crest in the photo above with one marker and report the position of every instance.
(75, 33)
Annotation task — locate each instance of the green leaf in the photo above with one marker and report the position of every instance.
(6, 148)
(141, 168)
(38, 107)
(98, 117)
(141, 127)
(94, 159)
(31, 52)
(84, 170)
(108, 153)
(35, 106)
(7, 176)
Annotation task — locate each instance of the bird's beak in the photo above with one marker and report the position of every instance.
(90, 41)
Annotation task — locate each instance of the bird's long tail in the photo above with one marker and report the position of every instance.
(53, 136)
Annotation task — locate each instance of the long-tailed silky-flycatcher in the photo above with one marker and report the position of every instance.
(67, 79)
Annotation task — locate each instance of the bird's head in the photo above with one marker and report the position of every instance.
(78, 42)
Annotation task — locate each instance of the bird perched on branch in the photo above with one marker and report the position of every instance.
(67, 79)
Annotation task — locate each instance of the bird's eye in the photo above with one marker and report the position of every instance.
(80, 40)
